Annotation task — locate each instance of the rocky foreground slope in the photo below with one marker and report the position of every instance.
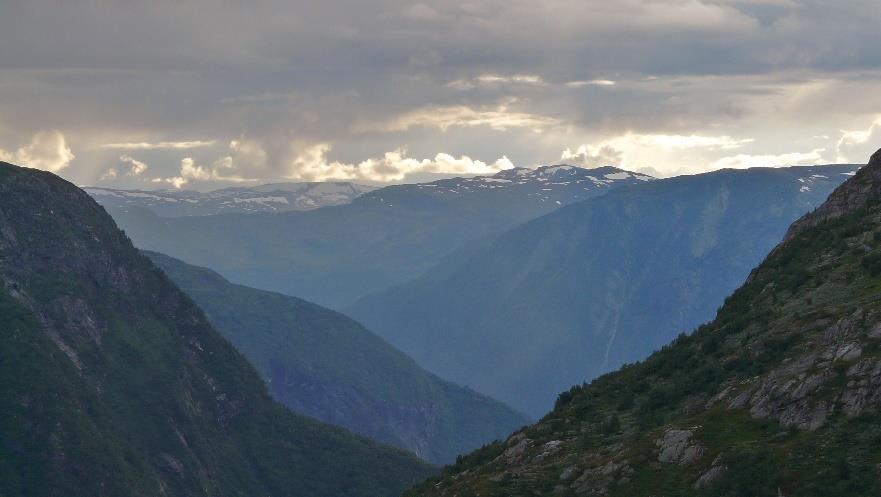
(778, 396)
(112, 382)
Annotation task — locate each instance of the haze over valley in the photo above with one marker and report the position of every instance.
(440, 249)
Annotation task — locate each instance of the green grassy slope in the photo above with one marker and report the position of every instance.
(779, 395)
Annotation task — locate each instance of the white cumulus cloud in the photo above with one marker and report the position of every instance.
(222, 170)
(593, 156)
(855, 146)
(109, 175)
(651, 152)
(47, 150)
(136, 167)
(312, 164)
(743, 161)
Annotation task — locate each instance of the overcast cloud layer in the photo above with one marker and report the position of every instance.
(200, 94)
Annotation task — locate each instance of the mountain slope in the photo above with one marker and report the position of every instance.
(779, 395)
(275, 197)
(335, 255)
(114, 384)
(323, 364)
(589, 287)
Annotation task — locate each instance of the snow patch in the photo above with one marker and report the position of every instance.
(261, 200)
(619, 175)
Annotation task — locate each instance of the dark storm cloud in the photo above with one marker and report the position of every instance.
(307, 89)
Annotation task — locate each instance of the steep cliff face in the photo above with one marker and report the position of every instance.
(779, 395)
(113, 382)
(322, 364)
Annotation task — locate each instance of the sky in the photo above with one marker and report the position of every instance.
(202, 94)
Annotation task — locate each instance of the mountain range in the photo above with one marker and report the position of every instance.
(324, 365)
(115, 384)
(580, 291)
(273, 197)
(778, 396)
(335, 255)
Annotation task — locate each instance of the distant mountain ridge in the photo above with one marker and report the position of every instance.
(573, 294)
(335, 255)
(324, 365)
(273, 197)
(559, 184)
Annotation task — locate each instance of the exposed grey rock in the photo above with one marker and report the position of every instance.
(842, 329)
(515, 438)
(568, 473)
(548, 450)
(676, 447)
(610, 468)
(514, 454)
(672, 445)
(785, 394)
(710, 476)
(691, 454)
(716, 470)
(849, 352)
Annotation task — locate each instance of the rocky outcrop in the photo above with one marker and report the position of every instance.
(677, 446)
(710, 476)
(598, 479)
(516, 451)
(795, 393)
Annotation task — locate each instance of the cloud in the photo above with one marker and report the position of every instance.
(590, 82)
(368, 76)
(313, 165)
(136, 167)
(625, 150)
(499, 118)
(249, 153)
(109, 175)
(184, 145)
(590, 156)
(47, 150)
(663, 155)
(743, 161)
(421, 12)
(855, 146)
(685, 141)
(221, 170)
(495, 80)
